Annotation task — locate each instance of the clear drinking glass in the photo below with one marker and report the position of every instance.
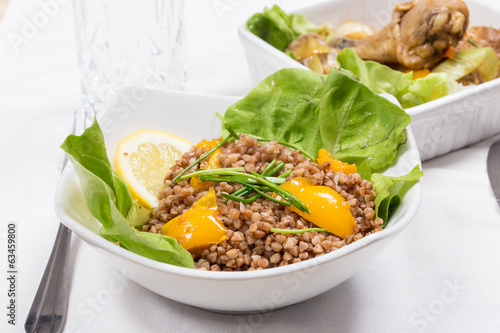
(128, 42)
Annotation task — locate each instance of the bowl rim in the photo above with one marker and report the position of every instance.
(94, 239)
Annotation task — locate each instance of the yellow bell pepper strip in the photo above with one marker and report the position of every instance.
(420, 73)
(207, 145)
(335, 165)
(328, 209)
(213, 163)
(198, 227)
(450, 52)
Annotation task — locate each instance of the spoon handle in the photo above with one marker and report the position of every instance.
(49, 308)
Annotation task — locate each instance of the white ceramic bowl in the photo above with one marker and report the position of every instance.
(440, 126)
(193, 117)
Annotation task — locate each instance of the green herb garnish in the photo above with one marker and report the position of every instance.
(220, 144)
(276, 169)
(227, 125)
(238, 195)
(298, 231)
(240, 199)
(269, 167)
(233, 175)
(285, 174)
(236, 175)
(284, 203)
(286, 144)
(472, 42)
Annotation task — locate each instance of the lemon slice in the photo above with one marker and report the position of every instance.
(143, 159)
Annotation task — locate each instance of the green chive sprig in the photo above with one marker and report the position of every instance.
(269, 170)
(269, 183)
(286, 144)
(220, 144)
(298, 231)
(472, 43)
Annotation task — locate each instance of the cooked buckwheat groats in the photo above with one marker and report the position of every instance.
(249, 243)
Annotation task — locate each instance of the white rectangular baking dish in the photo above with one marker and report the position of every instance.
(440, 126)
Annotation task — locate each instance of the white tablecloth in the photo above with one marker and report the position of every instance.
(441, 275)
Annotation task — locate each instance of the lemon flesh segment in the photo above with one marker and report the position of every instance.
(150, 163)
(144, 158)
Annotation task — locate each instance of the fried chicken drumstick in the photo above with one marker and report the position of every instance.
(419, 34)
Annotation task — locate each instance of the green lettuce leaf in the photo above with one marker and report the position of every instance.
(89, 150)
(110, 202)
(379, 78)
(282, 107)
(335, 112)
(390, 190)
(358, 125)
(383, 79)
(313, 111)
(426, 89)
(138, 215)
(278, 28)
